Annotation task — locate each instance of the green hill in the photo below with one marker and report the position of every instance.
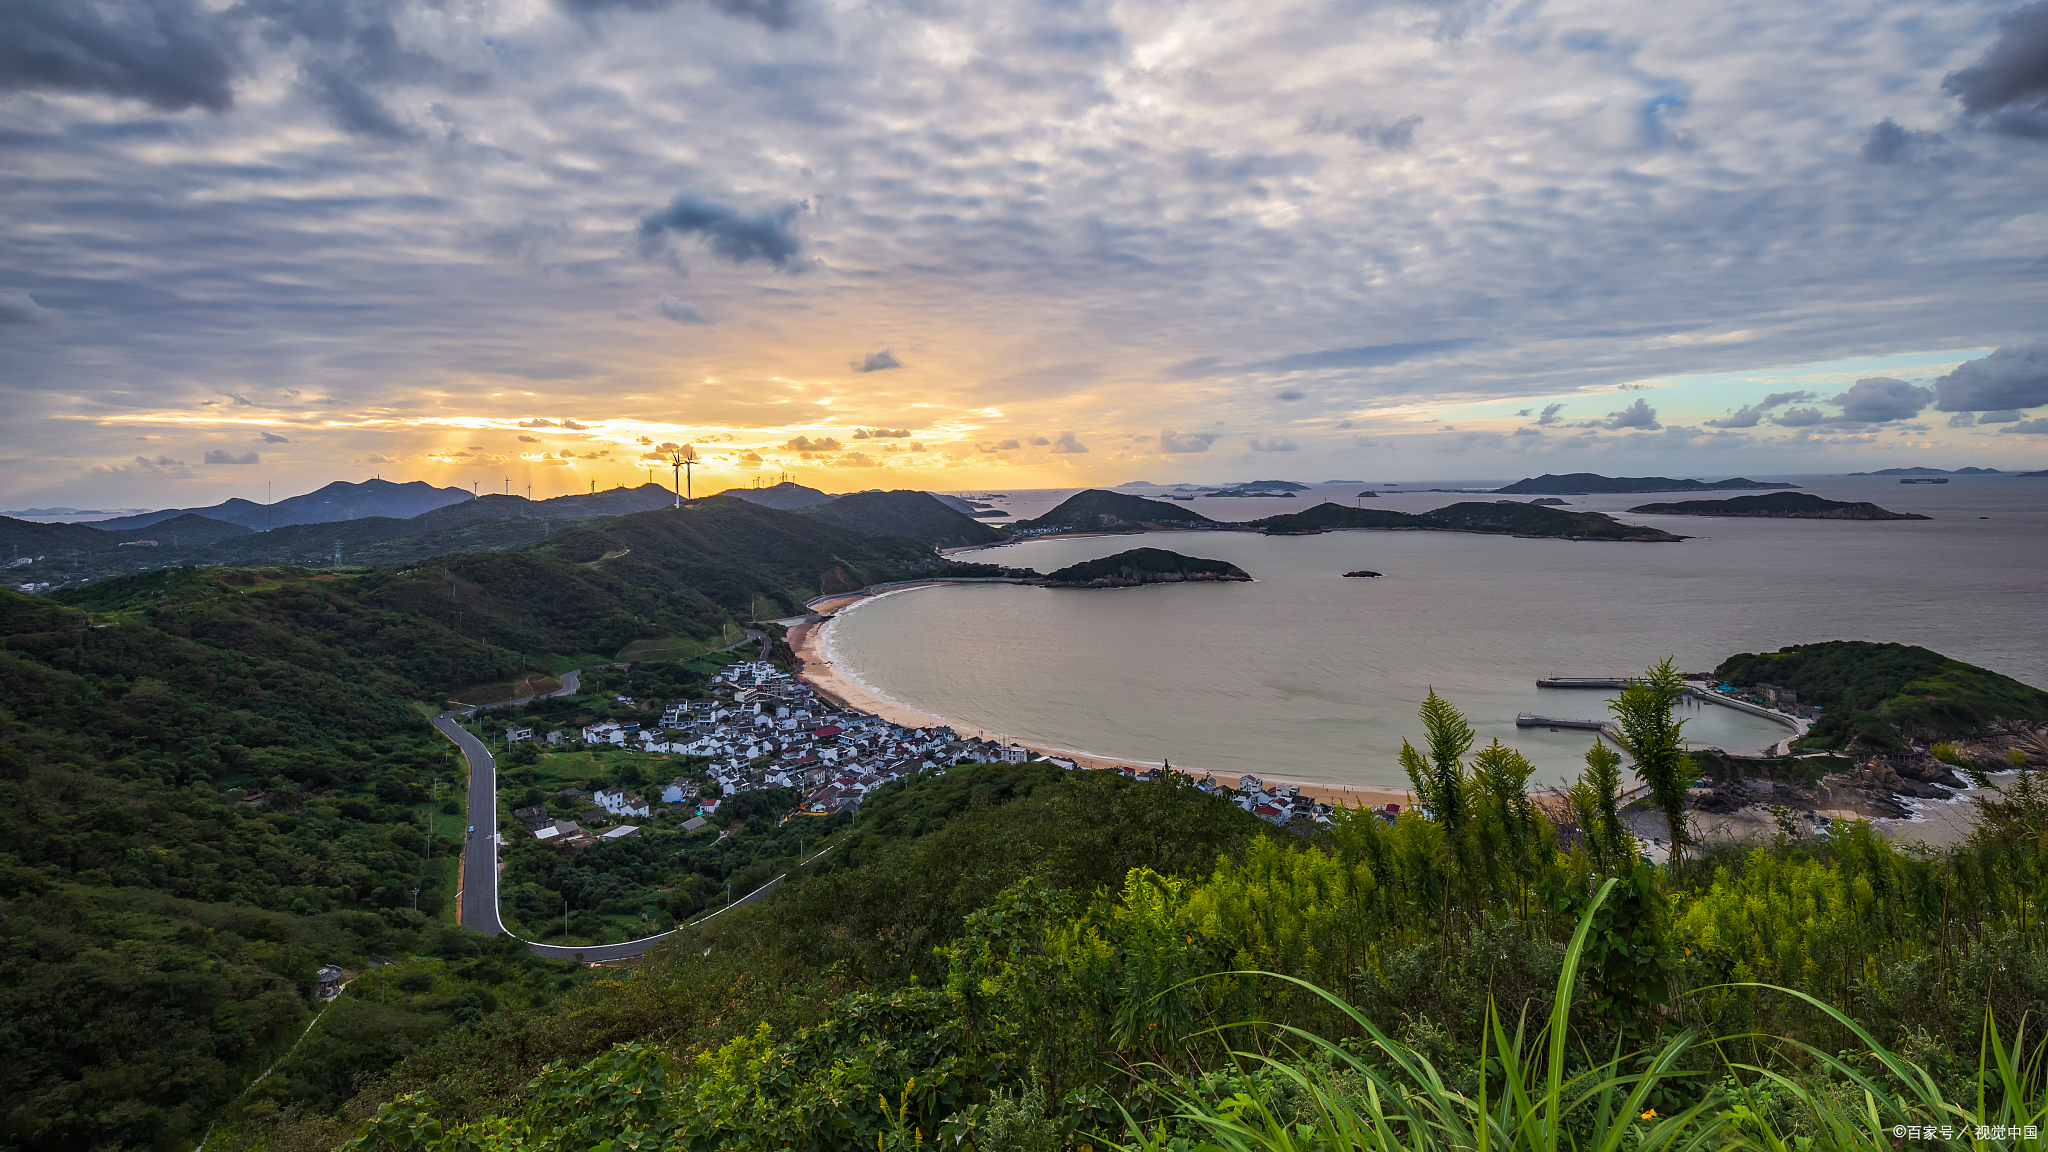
(1099, 511)
(918, 515)
(1142, 566)
(1785, 505)
(788, 496)
(1872, 692)
(1507, 517)
(1584, 483)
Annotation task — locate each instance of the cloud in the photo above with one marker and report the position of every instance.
(777, 14)
(2009, 84)
(2003, 416)
(1549, 416)
(1288, 394)
(1636, 415)
(880, 433)
(806, 444)
(170, 54)
(765, 237)
(2035, 427)
(1528, 432)
(274, 438)
(1171, 441)
(751, 459)
(1367, 356)
(854, 460)
(1749, 415)
(1394, 136)
(376, 458)
(1067, 444)
(219, 456)
(1880, 399)
(917, 447)
(1008, 446)
(681, 311)
(573, 426)
(2015, 376)
(529, 439)
(1273, 444)
(1039, 441)
(537, 422)
(878, 362)
(21, 309)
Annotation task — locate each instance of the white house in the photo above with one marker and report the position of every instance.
(620, 802)
(1015, 753)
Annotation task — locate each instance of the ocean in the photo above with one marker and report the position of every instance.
(1308, 675)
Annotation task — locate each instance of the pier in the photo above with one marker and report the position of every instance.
(1531, 720)
(1586, 682)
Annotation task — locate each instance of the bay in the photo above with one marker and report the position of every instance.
(1310, 675)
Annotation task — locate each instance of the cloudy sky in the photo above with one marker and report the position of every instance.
(950, 244)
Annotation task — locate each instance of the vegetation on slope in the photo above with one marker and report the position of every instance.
(917, 515)
(1098, 511)
(1507, 517)
(1789, 505)
(1142, 566)
(1584, 483)
(990, 978)
(1871, 692)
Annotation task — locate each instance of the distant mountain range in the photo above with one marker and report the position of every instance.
(1932, 472)
(340, 500)
(1588, 483)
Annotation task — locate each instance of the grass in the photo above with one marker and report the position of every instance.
(676, 648)
(1384, 1096)
(532, 684)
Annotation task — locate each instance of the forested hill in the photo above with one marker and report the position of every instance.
(1506, 518)
(217, 779)
(918, 515)
(1099, 511)
(1872, 692)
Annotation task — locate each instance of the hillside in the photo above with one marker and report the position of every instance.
(1587, 483)
(619, 501)
(787, 496)
(1782, 505)
(1506, 517)
(1871, 692)
(340, 500)
(1099, 511)
(918, 515)
(1142, 566)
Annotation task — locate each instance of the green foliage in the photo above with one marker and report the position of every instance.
(1139, 564)
(1595, 805)
(1653, 738)
(1869, 690)
(1508, 518)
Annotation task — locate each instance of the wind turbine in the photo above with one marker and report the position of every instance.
(678, 461)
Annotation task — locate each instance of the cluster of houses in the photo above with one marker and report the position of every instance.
(763, 728)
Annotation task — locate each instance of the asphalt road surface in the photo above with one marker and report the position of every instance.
(479, 904)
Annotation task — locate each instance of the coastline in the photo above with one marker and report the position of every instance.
(816, 667)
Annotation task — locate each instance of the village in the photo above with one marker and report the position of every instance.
(764, 729)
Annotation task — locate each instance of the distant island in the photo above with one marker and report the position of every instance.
(1505, 518)
(1547, 502)
(1099, 511)
(1366, 572)
(1143, 566)
(1368, 494)
(1782, 505)
(1249, 492)
(1588, 483)
(1932, 472)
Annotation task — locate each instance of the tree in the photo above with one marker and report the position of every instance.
(1440, 780)
(1650, 735)
(1596, 805)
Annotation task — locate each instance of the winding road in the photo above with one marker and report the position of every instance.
(477, 902)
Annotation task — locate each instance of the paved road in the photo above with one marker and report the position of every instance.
(479, 903)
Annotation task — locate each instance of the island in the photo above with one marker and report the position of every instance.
(1368, 494)
(1367, 572)
(1782, 505)
(1586, 483)
(1143, 566)
(1097, 510)
(1932, 472)
(1506, 518)
(1548, 502)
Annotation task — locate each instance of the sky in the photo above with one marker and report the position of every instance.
(1012, 243)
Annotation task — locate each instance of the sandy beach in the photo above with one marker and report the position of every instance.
(841, 687)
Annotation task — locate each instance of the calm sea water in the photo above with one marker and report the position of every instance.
(1304, 673)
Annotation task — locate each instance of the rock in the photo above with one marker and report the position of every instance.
(1362, 572)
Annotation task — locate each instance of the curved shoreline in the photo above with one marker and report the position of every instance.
(818, 666)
